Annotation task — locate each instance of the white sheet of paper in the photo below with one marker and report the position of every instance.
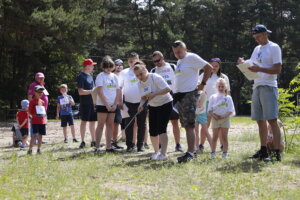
(124, 112)
(244, 69)
(40, 110)
(64, 101)
(46, 92)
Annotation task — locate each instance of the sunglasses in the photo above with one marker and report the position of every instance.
(215, 60)
(156, 61)
(176, 44)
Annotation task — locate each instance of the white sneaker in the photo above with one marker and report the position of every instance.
(213, 154)
(162, 157)
(155, 156)
(224, 155)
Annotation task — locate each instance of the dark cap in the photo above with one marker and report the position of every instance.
(260, 29)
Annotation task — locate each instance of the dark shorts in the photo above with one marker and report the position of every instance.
(159, 118)
(39, 129)
(65, 120)
(174, 115)
(87, 112)
(118, 116)
(123, 124)
(187, 109)
(24, 131)
(102, 109)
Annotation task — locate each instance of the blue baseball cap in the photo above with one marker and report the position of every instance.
(25, 103)
(260, 29)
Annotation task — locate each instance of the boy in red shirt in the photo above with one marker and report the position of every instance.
(23, 121)
(38, 112)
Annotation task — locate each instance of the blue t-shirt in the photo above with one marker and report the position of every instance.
(86, 82)
(65, 106)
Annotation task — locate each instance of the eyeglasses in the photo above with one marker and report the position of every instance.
(215, 60)
(156, 61)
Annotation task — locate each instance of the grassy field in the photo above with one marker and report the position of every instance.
(65, 172)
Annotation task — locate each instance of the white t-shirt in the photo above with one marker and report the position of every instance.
(221, 104)
(110, 84)
(167, 73)
(129, 84)
(153, 84)
(187, 72)
(210, 87)
(266, 56)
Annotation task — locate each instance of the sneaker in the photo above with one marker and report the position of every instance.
(115, 145)
(130, 149)
(146, 146)
(154, 156)
(185, 158)
(22, 146)
(29, 152)
(224, 155)
(261, 155)
(201, 147)
(66, 140)
(213, 154)
(75, 140)
(278, 156)
(111, 150)
(39, 151)
(97, 150)
(82, 145)
(141, 149)
(178, 147)
(162, 157)
(93, 144)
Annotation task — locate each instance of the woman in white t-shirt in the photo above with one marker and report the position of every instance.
(154, 89)
(211, 89)
(107, 100)
(220, 108)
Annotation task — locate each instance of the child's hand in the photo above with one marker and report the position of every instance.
(140, 109)
(114, 107)
(109, 109)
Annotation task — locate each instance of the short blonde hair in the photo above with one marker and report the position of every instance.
(63, 86)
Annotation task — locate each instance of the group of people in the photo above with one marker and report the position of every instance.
(168, 92)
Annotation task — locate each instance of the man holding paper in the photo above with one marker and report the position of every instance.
(267, 62)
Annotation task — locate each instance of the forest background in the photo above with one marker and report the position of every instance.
(55, 36)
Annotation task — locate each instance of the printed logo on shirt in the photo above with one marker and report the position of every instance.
(259, 57)
(111, 84)
(133, 81)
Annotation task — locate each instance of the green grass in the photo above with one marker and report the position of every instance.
(65, 172)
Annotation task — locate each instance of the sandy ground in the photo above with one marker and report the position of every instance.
(55, 135)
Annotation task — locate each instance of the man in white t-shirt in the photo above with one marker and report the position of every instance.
(166, 70)
(129, 86)
(267, 61)
(186, 91)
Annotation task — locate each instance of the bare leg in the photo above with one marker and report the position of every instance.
(224, 135)
(155, 143)
(205, 134)
(115, 132)
(32, 140)
(263, 132)
(24, 140)
(134, 132)
(109, 129)
(72, 130)
(190, 136)
(215, 139)
(82, 130)
(276, 133)
(163, 138)
(40, 138)
(101, 121)
(92, 126)
(65, 132)
(197, 139)
(176, 131)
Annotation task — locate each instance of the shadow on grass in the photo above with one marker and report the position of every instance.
(296, 163)
(247, 166)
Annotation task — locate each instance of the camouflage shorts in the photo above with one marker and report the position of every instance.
(187, 109)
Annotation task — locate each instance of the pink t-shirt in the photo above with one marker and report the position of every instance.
(31, 92)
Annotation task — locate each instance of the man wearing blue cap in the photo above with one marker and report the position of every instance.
(267, 62)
